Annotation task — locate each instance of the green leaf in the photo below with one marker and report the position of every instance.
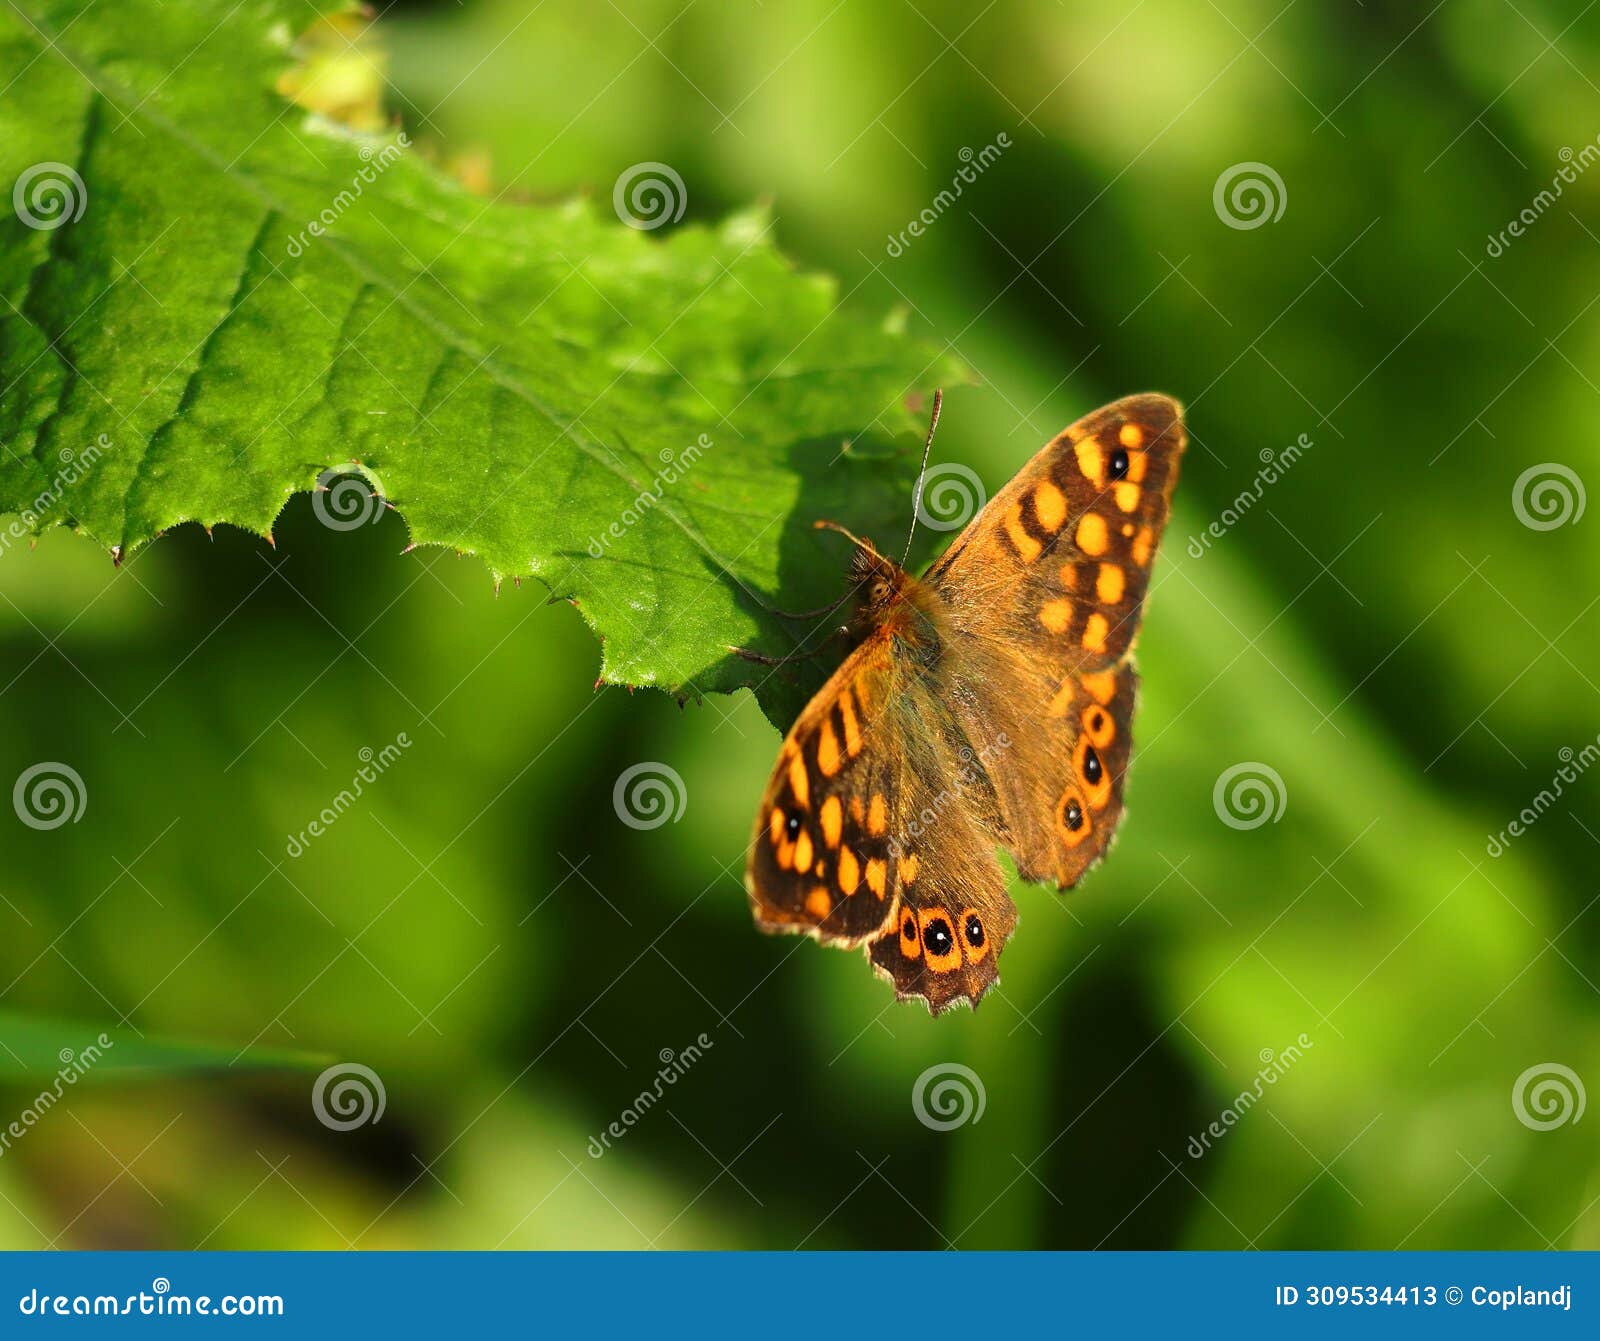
(38, 1048)
(254, 293)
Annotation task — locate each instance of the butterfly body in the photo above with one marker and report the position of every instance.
(988, 704)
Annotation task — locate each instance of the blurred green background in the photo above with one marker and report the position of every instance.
(1380, 629)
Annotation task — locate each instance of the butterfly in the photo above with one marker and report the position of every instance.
(988, 704)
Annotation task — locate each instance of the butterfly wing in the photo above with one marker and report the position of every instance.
(1044, 593)
(871, 831)
(819, 859)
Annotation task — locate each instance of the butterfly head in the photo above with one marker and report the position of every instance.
(880, 582)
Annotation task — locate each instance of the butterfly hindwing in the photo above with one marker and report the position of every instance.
(952, 916)
(873, 822)
(952, 913)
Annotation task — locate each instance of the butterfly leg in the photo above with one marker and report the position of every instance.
(813, 614)
(750, 654)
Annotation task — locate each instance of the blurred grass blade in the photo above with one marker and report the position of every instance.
(35, 1049)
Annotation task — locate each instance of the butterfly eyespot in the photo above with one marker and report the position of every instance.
(974, 934)
(791, 824)
(1119, 464)
(1092, 770)
(937, 937)
(910, 942)
(1073, 824)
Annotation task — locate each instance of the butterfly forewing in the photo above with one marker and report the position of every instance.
(819, 858)
(1044, 593)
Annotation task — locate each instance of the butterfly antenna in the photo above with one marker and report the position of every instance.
(922, 470)
(851, 536)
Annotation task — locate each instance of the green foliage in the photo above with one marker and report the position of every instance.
(255, 294)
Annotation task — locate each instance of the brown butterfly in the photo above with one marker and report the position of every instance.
(989, 704)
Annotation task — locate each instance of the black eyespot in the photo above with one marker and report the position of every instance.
(936, 936)
(791, 825)
(974, 931)
(1091, 766)
(1073, 816)
(1096, 722)
(908, 928)
(1119, 464)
